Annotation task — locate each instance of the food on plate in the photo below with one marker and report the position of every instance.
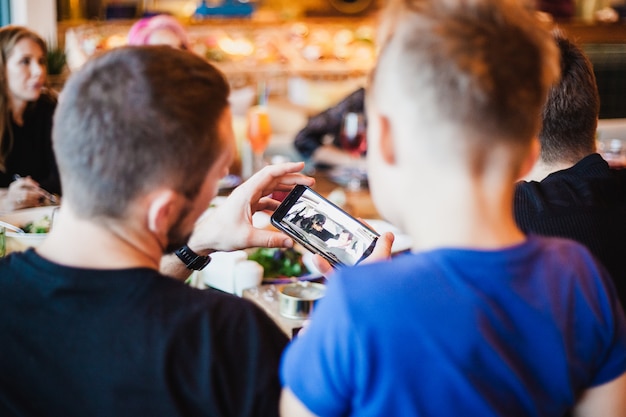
(279, 262)
(41, 225)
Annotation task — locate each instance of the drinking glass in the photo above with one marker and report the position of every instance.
(353, 140)
(259, 133)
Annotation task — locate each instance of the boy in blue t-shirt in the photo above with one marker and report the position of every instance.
(480, 319)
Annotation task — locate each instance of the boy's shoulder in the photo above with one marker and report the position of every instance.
(537, 256)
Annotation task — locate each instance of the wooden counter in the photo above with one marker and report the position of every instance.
(586, 33)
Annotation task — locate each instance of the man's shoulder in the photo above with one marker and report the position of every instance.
(147, 289)
(585, 184)
(234, 315)
(591, 167)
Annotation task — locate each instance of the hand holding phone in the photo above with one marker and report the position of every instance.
(323, 228)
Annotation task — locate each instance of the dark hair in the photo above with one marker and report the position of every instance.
(570, 114)
(136, 118)
(9, 37)
(308, 222)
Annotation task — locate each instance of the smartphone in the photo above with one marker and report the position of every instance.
(323, 228)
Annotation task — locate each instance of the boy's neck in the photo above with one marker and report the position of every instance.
(465, 214)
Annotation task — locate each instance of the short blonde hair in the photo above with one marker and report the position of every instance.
(481, 66)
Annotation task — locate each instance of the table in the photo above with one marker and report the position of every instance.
(266, 297)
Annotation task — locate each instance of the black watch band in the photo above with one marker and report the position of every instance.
(191, 259)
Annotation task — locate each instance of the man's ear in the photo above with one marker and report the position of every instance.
(531, 158)
(387, 149)
(163, 211)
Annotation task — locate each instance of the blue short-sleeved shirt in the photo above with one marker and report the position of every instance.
(519, 332)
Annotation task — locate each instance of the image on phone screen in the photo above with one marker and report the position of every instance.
(323, 228)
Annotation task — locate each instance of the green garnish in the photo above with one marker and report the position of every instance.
(40, 226)
(279, 262)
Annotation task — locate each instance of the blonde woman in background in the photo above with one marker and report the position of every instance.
(27, 164)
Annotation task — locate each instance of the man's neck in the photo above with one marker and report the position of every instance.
(89, 244)
(542, 169)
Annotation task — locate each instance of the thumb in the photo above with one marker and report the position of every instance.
(323, 266)
(382, 250)
(270, 239)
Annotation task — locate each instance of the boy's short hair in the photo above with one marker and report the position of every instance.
(570, 114)
(134, 119)
(479, 67)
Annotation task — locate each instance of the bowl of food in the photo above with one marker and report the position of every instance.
(34, 221)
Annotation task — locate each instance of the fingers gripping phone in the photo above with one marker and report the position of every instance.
(323, 228)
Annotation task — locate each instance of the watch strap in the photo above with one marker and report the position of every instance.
(191, 259)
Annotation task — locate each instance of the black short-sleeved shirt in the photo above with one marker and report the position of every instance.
(586, 203)
(30, 152)
(80, 342)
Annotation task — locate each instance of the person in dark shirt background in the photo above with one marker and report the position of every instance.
(312, 140)
(571, 191)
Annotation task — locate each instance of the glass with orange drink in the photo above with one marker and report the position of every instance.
(259, 133)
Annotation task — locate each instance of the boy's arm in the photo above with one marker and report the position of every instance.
(606, 400)
(290, 405)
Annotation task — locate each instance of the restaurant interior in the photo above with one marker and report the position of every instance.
(297, 58)
(310, 53)
(179, 238)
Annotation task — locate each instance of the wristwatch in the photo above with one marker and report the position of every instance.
(191, 259)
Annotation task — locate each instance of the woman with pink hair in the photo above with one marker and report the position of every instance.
(158, 30)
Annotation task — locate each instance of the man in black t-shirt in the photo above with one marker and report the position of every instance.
(571, 191)
(88, 325)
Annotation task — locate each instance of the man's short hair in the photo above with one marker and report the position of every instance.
(570, 114)
(480, 67)
(135, 119)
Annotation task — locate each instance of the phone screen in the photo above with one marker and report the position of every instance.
(323, 228)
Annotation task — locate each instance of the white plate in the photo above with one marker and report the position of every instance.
(20, 241)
